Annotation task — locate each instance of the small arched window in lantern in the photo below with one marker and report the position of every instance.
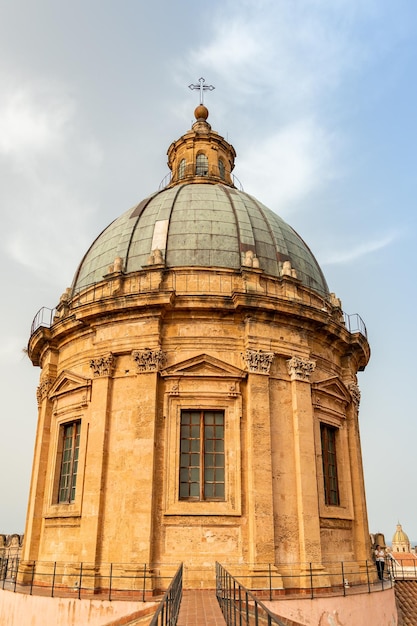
(201, 165)
(181, 169)
(221, 169)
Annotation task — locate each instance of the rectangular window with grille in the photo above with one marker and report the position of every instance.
(69, 461)
(328, 448)
(202, 466)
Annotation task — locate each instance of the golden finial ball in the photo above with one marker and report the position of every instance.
(201, 112)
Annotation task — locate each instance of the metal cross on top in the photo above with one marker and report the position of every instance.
(202, 88)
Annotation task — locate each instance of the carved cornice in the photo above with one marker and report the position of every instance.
(149, 360)
(43, 389)
(355, 393)
(103, 365)
(300, 369)
(258, 361)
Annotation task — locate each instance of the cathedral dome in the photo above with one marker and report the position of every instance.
(200, 225)
(200, 220)
(400, 539)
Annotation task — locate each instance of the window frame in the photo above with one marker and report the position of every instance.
(181, 169)
(329, 445)
(201, 164)
(69, 487)
(201, 443)
(215, 398)
(222, 169)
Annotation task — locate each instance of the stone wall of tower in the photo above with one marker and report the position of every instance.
(125, 368)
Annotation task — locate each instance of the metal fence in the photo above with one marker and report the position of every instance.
(106, 581)
(238, 604)
(401, 568)
(167, 612)
(309, 580)
(147, 582)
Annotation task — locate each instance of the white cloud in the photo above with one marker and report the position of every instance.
(289, 52)
(32, 123)
(43, 151)
(288, 164)
(356, 252)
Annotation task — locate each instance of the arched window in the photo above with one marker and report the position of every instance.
(221, 169)
(201, 165)
(181, 169)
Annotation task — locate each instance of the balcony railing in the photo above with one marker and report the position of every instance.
(238, 604)
(169, 607)
(105, 581)
(143, 582)
(189, 283)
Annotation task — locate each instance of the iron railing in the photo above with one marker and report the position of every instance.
(169, 607)
(401, 568)
(100, 291)
(313, 580)
(106, 581)
(44, 317)
(238, 604)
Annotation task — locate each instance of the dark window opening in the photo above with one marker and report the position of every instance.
(202, 470)
(69, 461)
(328, 448)
(181, 169)
(201, 165)
(222, 170)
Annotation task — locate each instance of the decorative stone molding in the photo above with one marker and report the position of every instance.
(43, 389)
(300, 369)
(249, 259)
(288, 270)
(355, 393)
(258, 361)
(156, 257)
(117, 266)
(103, 366)
(149, 360)
(175, 389)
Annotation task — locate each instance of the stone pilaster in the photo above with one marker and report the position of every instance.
(361, 536)
(300, 370)
(96, 457)
(36, 503)
(259, 471)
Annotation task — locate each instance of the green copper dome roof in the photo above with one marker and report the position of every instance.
(200, 225)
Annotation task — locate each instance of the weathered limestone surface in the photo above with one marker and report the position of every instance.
(126, 369)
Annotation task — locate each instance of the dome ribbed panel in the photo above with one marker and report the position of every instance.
(202, 231)
(158, 209)
(110, 244)
(200, 225)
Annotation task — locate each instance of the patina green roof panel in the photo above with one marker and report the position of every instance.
(199, 225)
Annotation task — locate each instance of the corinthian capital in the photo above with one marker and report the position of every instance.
(355, 393)
(149, 360)
(258, 361)
(103, 365)
(43, 389)
(300, 369)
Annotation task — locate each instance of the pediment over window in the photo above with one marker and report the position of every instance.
(331, 395)
(205, 366)
(69, 383)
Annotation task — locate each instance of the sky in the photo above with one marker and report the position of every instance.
(319, 99)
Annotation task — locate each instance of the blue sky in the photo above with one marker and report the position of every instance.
(318, 98)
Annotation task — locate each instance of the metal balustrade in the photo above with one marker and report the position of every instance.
(239, 605)
(105, 581)
(169, 607)
(194, 284)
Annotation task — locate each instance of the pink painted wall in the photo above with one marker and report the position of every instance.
(17, 609)
(361, 609)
